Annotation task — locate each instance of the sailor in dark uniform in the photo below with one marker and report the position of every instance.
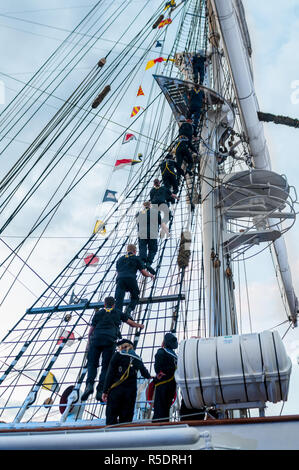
(149, 221)
(160, 195)
(120, 388)
(171, 173)
(196, 97)
(165, 385)
(186, 128)
(198, 65)
(126, 281)
(103, 334)
(183, 153)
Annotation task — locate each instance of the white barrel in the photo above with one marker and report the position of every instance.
(233, 370)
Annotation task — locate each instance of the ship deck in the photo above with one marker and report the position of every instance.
(260, 433)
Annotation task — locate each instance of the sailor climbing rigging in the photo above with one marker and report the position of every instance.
(171, 172)
(127, 267)
(149, 222)
(183, 153)
(196, 99)
(104, 331)
(186, 128)
(161, 195)
(198, 67)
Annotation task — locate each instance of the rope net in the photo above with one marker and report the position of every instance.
(34, 347)
(45, 352)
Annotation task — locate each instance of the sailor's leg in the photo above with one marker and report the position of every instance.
(164, 395)
(133, 288)
(196, 117)
(128, 400)
(93, 357)
(179, 155)
(160, 404)
(143, 249)
(189, 161)
(152, 250)
(114, 403)
(195, 73)
(175, 184)
(166, 180)
(120, 293)
(201, 70)
(106, 357)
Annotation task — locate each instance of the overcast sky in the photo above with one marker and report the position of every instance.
(273, 28)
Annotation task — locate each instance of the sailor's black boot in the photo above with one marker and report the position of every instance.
(88, 391)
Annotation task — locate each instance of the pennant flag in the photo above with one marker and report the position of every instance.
(75, 300)
(127, 161)
(99, 227)
(128, 138)
(91, 260)
(50, 383)
(135, 111)
(170, 4)
(66, 334)
(140, 91)
(164, 23)
(151, 63)
(110, 196)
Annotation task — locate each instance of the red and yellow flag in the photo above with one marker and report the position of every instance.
(140, 91)
(153, 62)
(164, 23)
(135, 111)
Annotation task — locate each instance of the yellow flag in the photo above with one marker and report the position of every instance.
(50, 383)
(99, 227)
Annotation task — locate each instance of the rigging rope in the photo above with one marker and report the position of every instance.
(38, 331)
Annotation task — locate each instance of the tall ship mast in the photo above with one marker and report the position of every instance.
(231, 209)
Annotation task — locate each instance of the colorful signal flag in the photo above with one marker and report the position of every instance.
(151, 63)
(50, 383)
(110, 196)
(164, 23)
(99, 227)
(91, 260)
(135, 111)
(140, 91)
(128, 138)
(126, 161)
(66, 334)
